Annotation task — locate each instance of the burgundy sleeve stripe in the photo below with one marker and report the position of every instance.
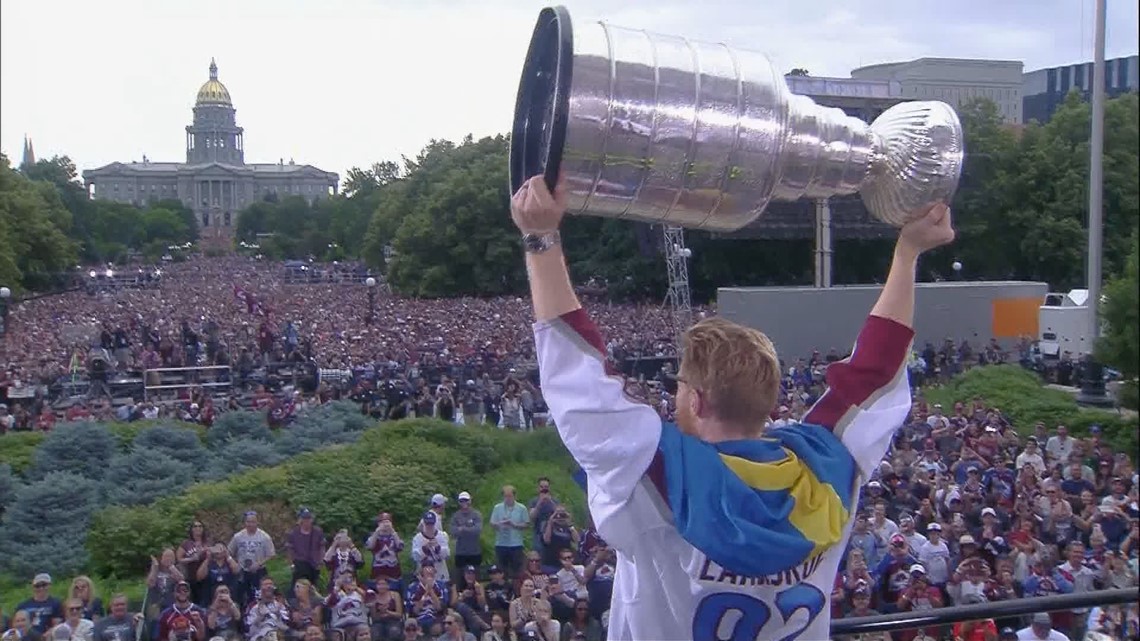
(579, 321)
(880, 351)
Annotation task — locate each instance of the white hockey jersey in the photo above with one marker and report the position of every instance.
(737, 540)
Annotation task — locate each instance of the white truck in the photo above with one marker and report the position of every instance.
(1064, 325)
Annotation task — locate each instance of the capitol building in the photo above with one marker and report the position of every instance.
(215, 181)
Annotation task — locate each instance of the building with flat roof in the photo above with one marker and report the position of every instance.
(215, 181)
(955, 81)
(1043, 90)
(863, 99)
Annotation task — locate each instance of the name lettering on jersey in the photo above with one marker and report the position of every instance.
(711, 572)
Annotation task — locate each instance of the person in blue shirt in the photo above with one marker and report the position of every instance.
(44, 610)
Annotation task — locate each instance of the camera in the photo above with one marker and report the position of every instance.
(98, 364)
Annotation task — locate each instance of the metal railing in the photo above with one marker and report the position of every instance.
(220, 377)
(992, 610)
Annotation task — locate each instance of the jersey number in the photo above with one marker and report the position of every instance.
(754, 613)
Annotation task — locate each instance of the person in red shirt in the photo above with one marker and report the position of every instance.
(46, 420)
(77, 412)
(983, 630)
(917, 597)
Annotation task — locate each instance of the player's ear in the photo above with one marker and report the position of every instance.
(698, 404)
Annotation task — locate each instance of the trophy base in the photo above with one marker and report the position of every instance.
(542, 106)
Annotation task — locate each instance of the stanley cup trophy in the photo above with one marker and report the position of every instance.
(661, 129)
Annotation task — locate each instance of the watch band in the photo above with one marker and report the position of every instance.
(541, 242)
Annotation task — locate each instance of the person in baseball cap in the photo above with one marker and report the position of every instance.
(1008, 634)
(435, 506)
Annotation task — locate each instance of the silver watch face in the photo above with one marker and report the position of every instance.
(532, 242)
(537, 243)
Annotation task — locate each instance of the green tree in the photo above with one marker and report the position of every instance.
(983, 190)
(1120, 344)
(362, 182)
(184, 214)
(111, 230)
(462, 218)
(1022, 204)
(163, 224)
(60, 172)
(34, 247)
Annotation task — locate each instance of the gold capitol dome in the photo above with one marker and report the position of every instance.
(213, 92)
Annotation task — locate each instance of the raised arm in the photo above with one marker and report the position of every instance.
(868, 394)
(613, 438)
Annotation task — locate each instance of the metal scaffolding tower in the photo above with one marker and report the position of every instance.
(677, 266)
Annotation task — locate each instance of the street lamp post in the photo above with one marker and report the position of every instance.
(1092, 379)
(370, 283)
(5, 294)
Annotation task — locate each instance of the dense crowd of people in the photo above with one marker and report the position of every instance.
(964, 508)
(269, 329)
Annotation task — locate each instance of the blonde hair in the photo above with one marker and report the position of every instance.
(76, 582)
(735, 367)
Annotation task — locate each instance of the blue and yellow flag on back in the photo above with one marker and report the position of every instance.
(757, 507)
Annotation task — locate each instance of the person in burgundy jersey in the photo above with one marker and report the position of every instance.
(183, 620)
(892, 575)
(385, 545)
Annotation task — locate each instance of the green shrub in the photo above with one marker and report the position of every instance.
(330, 424)
(477, 445)
(8, 484)
(122, 539)
(143, 476)
(44, 528)
(126, 433)
(17, 449)
(232, 426)
(394, 467)
(79, 448)
(239, 455)
(1022, 398)
(174, 441)
(333, 483)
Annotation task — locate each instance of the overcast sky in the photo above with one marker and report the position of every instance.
(342, 83)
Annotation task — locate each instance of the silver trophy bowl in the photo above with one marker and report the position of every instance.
(661, 129)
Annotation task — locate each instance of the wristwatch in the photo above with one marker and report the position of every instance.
(541, 242)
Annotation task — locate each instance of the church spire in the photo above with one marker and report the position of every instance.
(29, 158)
